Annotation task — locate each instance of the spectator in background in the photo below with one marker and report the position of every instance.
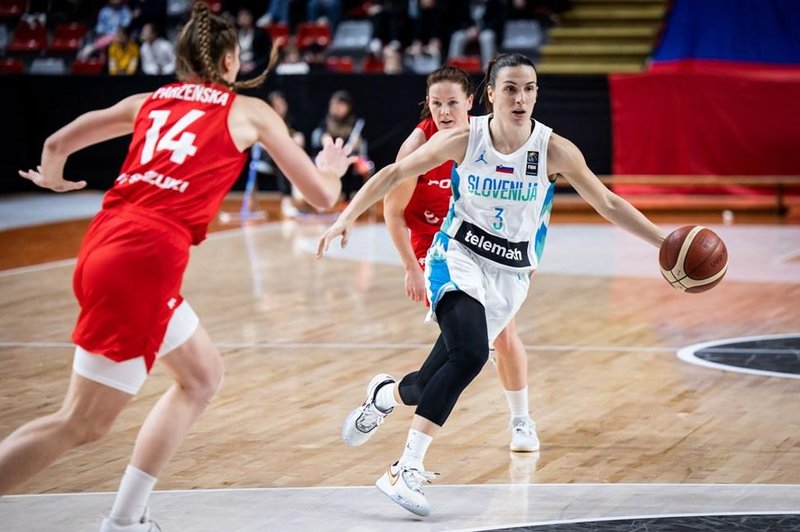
(341, 122)
(426, 16)
(277, 100)
(477, 21)
(111, 17)
(123, 54)
(325, 10)
(392, 60)
(157, 54)
(277, 12)
(389, 20)
(292, 63)
(254, 43)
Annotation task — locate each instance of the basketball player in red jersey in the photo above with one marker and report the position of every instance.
(414, 212)
(190, 140)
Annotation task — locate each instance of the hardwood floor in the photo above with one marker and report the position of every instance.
(301, 338)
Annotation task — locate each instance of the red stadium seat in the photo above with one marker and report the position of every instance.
(278, 33)
(373, 64)
(9, 65)
(28, 37)
(93, 66)
(68, 37)
(469, 63)
(13, 8)
(339, 64)
(313, 33)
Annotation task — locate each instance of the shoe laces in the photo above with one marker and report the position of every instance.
(415, 478)
(371, 417)
(523, 426)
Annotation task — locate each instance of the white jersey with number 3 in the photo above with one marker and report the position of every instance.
(501, 203)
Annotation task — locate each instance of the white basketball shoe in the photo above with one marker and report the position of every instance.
(523, 435)
(403, 484)
(145, 524)
(363, 422)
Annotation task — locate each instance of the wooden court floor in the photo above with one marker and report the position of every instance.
(301, 338)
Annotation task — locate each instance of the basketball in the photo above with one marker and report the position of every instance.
(693, 259)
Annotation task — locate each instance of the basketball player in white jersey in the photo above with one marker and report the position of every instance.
(478, 269)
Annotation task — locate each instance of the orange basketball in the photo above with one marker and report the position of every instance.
(693, 259)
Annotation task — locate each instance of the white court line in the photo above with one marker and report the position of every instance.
(688, 354)
(617, 518)
(368, 346)
(549, 485)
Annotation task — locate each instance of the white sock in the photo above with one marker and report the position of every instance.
(131, 501)
(518, 403)
(416, 447)
(384, 399)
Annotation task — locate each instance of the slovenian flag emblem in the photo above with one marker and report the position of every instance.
(504, 169)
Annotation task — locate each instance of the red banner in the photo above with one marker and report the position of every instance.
(691, 123)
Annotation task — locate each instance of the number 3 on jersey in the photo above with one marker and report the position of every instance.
(498, 219)
(180, 148)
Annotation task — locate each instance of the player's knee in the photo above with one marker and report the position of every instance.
(206, 382)
(474, 357)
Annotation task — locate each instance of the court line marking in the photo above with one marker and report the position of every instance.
(619, 518)
(366, 346)
(688, 354)
(432, 487)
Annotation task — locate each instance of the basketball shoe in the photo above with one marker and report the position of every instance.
(363, 422)
(145, 524)
(403, 484)
(523, 435)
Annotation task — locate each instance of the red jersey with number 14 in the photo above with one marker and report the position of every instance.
(182, 160)
(428, 205)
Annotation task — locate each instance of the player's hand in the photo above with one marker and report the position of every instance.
(56, 183)
(415, 284)
(338, 228)
(335, 157)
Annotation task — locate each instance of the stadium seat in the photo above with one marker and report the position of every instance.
(352, 38)
(278, 33)
(524, 36)
(68, 37)
(339, 64)
(373, 64)
(9, 65)
(92, 66)
(3, 37)
(13, 9)
(48, 66)
(313, 33)
(469, 63)
(28, 37)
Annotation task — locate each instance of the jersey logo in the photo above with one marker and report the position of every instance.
(431, 218)
(481, 159)
(504, 169)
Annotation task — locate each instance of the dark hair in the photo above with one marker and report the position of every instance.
(202, 43)
(342, 96)
(445, 73)
(499, 62)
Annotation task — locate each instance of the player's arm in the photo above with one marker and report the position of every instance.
(449, 145)
(88, 129)
(396, 201)
(394, 206)
(564, 158)
(320, 184)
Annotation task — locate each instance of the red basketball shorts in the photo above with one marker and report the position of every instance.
(127, 282)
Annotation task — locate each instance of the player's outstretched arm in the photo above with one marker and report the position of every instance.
(394, 206)
(320, 184)
(88, 129)
(564, 158)
(444, 146)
